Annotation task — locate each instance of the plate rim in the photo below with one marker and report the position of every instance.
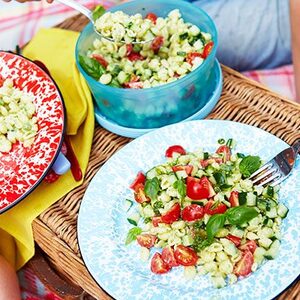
(64, 125)
(106, 290)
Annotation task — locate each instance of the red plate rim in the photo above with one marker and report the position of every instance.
(47, 169)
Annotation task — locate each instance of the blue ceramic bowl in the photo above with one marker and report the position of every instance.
(163, 105)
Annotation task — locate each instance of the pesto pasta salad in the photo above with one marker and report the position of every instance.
(174, 49)
(17, 120)
(201, 211)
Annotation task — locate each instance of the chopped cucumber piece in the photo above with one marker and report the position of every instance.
(151, 173)
(273, 250)
(272, 213)
(251, 199)
(282, 210)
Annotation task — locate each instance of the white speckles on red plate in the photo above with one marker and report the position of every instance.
(22, 168)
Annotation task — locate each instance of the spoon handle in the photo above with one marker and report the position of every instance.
(85, 11)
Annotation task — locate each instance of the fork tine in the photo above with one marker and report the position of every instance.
(270, 179)
(261, 169)
(263, 175)
(278, 181)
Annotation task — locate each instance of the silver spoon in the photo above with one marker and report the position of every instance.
(89, 14)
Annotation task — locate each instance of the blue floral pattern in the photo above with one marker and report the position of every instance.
(102, 224)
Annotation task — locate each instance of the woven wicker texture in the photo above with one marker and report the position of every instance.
(242, 100)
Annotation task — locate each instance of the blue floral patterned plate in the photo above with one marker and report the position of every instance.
(103, 226)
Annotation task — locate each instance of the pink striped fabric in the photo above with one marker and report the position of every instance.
(280, 80)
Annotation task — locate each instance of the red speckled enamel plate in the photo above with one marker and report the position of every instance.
(22, 169)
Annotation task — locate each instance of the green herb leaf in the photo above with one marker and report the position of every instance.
(230, 143)
(225, 187)
(242, 198)
(199, 244)
(220, 178)
(240, 214)
(132, 234)
(152, 188)
(147, 220)
(98, 12)
(180, 186)
(115, 83)
(132, 222)
(249, 165)
(221, 141)
(156, 206)
(91, 66)
(205, 155)
(240, 155)
(214, 224)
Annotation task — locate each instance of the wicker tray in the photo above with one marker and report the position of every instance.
(242, 100)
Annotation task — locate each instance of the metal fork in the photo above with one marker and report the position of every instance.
(278, 168)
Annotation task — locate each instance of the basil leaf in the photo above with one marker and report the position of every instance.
(199, 244)
(181, 187)
(242, 198)
(214, 224)
(132, 234)
(240, 214)
(220, 178)
(249, 165)
(91, 66)
(156, 206)
(152, 188)
(132, 222)
(98, 12)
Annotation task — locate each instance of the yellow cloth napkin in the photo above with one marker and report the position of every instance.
(55, 48)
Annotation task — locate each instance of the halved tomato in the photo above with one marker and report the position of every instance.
(234, 199)
(212, 208)
(192, 212)
(225, 150)
(185, 256)
(205, 162)
(158, 266)
(243, 266)
(100, 59)
(207, 49)
(169, 257)
(188, 169)
(156, 220)
(140, 178)
(249, 245)
(191, 56)
(198, 189)
(174, 149)
(157, 43)
(134, 56)
(146, 240)
(140, 195)
(172, 214)
(235, 239)
(152, 17)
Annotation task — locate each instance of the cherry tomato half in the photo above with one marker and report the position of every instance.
(198, 189)
(243, 266)
(157, 43)
(225, 150)
(152, 17)
(168, 257)
(140, 195)
(205, 162)
(191, 56)
(249, 245)
(133, 85)
(192, 212)
(134, 56)
(156, 220)
(235, 239)
(158, 266)
(146, 240)
(172, 214)
(234, 199)
(211, 208)
(207, 49)
(174, 149)
(185, 256)
(100, 59)
(140, 178)
(188, 169)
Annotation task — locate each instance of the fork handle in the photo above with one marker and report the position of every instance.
(296, 146)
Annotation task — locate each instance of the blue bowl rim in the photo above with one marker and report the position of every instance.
(161, 87)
